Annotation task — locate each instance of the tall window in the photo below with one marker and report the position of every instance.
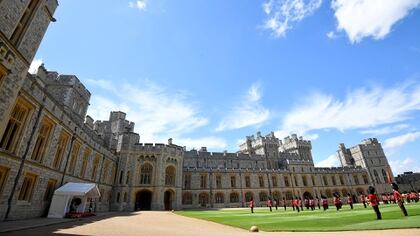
(121, 176)
(203, 181)
(127, 177)
(62, 144)
(234, 197)
(4, 171)
(365, 179)
(219, 198)
(49, 191)
(313, 180)
(286, 181)
(27, 188)
(146, 174)
(263, 196)
(296, 182)
(187, 198)
(247, 181)
(233, 181)
(305, 181)
(218, 181)
(170, 176)
(248, 196)
(24, 21)
(261, 180)
(95, 166)
(203, 199)
(42, 139)
(333, 181)
(375, 173)
(73, 158)
(341, 180)
(187, 181)
(274, 180)
(15, 126)
(85, 162)
(356, 179)
(384, 176)
(324, 178)
(105, 174)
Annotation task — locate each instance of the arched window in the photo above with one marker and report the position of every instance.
(263, 196)
(234, 197)
(248, 196)
(170, 176)
(187, 198)
(146, 174)
(125, 197)
(385, 176)
(375, 173)
(219, 198)
(328, 193)
(289, 195)
(203, 199)
(276, 195)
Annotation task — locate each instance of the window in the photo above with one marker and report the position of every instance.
(170, 176)
(187, 198)
(95, 166)
(125, 197)
(4, 171)
(219, 198)
(85, 162)
(384, 176)
(15, 126)
(187, 181)
(49, 191)
(247, 181)
(286, 181)
(324, 178)
(127, 177)
(24, 22)
(74, 156)
(328, 193)
(333, 180)
(105, 175)
(304, 180)
(121, 176)
(114, 173)
(62, 144)
(375, 173)
(27, 188)
(313, 180)
(203, 181)
(234, 197)
(341, 180)
(203, 199)
(356, 179)
(296, 182)
(274, 181)
(263, 196)
(261, 181)
(289, 195)
(248, 196)
(118, 196)
(218, 181)
(365, 179)
(146, 174)
(233, 181)
(42, 139)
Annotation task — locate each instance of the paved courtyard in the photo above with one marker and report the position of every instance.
(166, 223)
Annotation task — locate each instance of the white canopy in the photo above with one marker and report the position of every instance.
(63, 196)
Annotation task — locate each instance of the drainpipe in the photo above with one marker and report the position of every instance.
(22, 162)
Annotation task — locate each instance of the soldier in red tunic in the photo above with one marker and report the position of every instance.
(300, 203)
(312, 204)
(296, 204)
(276, 203)
(350, 200)
(363, 199)
(284, 204)
(307, 203)
(337, 201)
(324, 202)
(399, 199)
(252, 205)
(374, 202)
(318, 202)
(270, 204)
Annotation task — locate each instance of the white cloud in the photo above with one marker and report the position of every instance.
(401, 140)
(248, 112)
(331, 35)
(140, 4)
(362, 108)
(36, 63)
(401, 166)
(385, 130)
(282, 14)
(370, 18)
(214, 143)
(331, 161)
(158, 113)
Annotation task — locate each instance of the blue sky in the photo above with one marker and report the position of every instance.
(209, 73)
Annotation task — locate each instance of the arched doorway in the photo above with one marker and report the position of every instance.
(143, 201)
(307, 195)
(167, 200)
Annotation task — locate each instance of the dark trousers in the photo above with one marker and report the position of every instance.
(297, 208)
(276, 207)
(364, 204)
(378, 213)
(293, 207)
(319, 206)
(252, 210)
(402, 207)
(351, 206)
(325, 207)
(284, 207)
(271, 209)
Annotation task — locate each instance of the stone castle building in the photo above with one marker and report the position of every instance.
(46, 140)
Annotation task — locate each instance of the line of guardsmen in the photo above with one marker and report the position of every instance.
(372, 199)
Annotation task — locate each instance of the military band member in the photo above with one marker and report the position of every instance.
(270, 204)
(363, 199)
(252, 205)
(318, 202)
(284, 204)
(398, 198)
(324, 203)
(300, 203)
(337, 201)
(296, 204)
(307, 203)
(374, 203)
(312, 204)
(350, 200)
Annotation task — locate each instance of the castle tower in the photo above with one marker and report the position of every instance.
(22, 27)
(345, 156)
(299, 146)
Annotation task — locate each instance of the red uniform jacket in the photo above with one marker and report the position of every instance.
(324, 202)
(363, 198)
(251, 204)
(269, 203)
(349, 200)
(397, 196)
(337, 201)
(373, 200)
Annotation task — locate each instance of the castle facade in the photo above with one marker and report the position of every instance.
(46, 140)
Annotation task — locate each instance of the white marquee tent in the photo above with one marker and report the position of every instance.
(63, 198)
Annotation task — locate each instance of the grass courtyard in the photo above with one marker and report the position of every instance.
(318, 220)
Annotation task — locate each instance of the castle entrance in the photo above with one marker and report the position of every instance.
(143, 201)
(307, 195)
(167, 198)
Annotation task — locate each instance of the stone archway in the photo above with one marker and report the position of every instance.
(168, 197)
(143, 201)
(307, 195)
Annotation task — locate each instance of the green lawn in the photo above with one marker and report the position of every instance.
(318, 220)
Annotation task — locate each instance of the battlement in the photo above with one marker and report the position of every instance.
(335, 170)
(295, 141)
